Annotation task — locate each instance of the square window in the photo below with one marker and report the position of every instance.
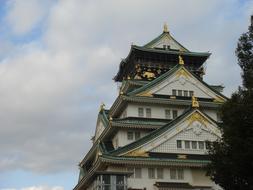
(187, 144)
(179, 144)
(180, 174)
(137, 135)
(180, 93)
(148, 112)
(159, 173)
(137, 172)
(194, 144)
(185, 93)
(174, 113)
(130, 135)
(151, 173)
(167, 114)
(173, 173)
(140, 112)
(201, 145)
(174, 92)
(191, 93)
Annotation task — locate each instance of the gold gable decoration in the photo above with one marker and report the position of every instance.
(197, 117)
(147, 94)
(102, 107)
(165, 27)
(183, 72)
(181, 61)
(195, 103)
(137, 153)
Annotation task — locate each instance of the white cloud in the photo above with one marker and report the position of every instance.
(38, 188)
(23, 16)
(43, 188)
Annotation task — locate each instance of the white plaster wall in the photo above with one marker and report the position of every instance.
(121, 135)
(199, 178)
(149, 183)
(183, 83)
(156, 110)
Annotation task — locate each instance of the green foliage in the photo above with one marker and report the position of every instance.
(244, 53)
(232, 156)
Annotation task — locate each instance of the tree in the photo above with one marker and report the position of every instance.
(231, 156)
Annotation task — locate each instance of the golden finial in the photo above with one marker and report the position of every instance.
(102, 106)
(181, 61)
(165, 27)
(195, 103)
(110, 118)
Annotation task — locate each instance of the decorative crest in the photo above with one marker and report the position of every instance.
(102, 106)
(165, 27)
(195, 103)
(181, 61)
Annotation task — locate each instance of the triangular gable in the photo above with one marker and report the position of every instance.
(102, 123)
(165, 39)
(179, 78)
(183, 123)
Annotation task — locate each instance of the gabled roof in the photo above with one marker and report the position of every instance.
(164, 36)
(157, 132)
(161, 78)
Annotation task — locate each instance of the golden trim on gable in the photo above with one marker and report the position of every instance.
(197, 117)
(141, 153)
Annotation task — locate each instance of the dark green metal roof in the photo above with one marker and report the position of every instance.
(172, 52)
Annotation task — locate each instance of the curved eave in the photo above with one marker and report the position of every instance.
(184, 53)
(123, 61)
(152, 161)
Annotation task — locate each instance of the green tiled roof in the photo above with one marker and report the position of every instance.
(167, 51)
(166, 101)
(152, 161)
(141, 121)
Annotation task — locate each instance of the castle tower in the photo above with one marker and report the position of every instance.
(156, 134)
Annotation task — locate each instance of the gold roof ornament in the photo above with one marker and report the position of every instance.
(195, 103)
(181, 61)
(165, 27)
(102, 106)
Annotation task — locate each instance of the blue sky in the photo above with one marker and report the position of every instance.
(57, 61)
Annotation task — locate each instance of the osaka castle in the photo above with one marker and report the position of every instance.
(156, 134)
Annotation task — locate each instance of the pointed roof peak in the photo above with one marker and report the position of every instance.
(165, 27)
(165, 42)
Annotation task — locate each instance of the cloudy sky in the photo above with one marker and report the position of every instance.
(57, 61)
